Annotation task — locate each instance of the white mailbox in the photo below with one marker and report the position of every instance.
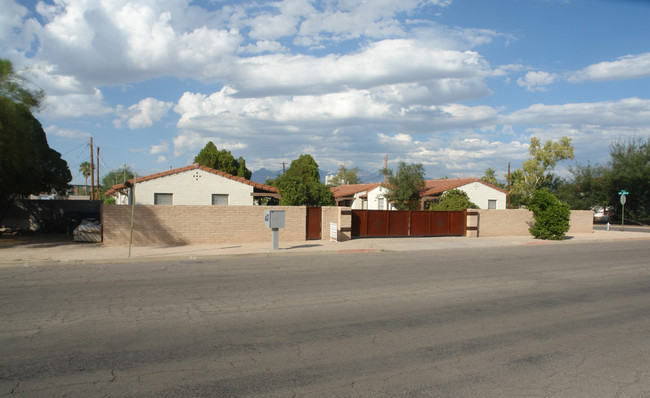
(274, 218)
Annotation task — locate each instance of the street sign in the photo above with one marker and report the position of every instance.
(623, 192)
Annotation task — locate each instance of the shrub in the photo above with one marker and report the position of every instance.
(551, 216)
(452, 200)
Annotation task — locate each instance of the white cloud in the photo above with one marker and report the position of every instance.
(381, 63)
(157, 149)
(143, 114)
(628, 67)
(66, 133)
(537, 81)
(625, 112)
(76, 105)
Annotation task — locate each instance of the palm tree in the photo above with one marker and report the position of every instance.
(84, 169)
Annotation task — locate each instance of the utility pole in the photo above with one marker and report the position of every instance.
(283, 168)
(92, 171)
(98, 173)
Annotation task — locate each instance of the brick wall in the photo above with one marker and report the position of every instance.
(169, 225)
(342, 216)
(515, 222)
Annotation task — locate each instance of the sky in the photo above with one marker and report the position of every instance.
(457, 85)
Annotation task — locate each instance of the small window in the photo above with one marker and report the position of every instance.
(220, 199)
(163, 199)
(380, 205)
(492, 204)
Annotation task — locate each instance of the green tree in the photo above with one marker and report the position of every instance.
(222, 160)
(301, 185)
(585, 189)
(117, 176)
(13, 88)
(452, 200)
(629, 169)
(490, 177)
(345, 176)
(84, 169)
(551, 216)
(537, 171)
(405, 185)
(27, 164)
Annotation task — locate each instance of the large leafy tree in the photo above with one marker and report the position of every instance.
(301, 185)
(345, 176)
(629, 169)
(28, 165)
(537, 171)
(586, 188)
(405, 185)
(222, 160)
(117, 176)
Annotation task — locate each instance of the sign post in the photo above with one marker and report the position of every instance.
(274, 219)
(623, 200)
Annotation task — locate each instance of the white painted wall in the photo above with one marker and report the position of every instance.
(480, 194)
(194, 187)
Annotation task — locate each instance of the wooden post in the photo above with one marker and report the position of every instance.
(98, 197)
(132, 212)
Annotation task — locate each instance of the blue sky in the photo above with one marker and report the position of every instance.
(456, 85)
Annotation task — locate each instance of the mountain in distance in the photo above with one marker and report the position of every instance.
(260, 176)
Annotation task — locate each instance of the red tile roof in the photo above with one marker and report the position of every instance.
(195, 166)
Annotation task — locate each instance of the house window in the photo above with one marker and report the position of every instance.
(220, 199)
(492, 204)
(381, 204)
(163, 199)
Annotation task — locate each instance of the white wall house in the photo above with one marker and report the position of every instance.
(192, 185)
(481, 193)
(373, 196)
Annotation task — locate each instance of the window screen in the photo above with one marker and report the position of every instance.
(381, 204)
(492, 204)
(220, 199)
(163, 199)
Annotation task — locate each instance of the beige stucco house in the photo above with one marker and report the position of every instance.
(192, 185)
(372, 196)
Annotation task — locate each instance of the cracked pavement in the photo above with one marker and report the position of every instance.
(538, 321)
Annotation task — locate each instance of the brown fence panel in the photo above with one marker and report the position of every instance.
(439, 223)
(314, 215)
(377, 223)
(381, 223)
(420, 221)
(359, 223)
(398, 223)
(458, 223)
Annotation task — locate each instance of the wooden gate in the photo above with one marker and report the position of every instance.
(383, 223)
(314, 215)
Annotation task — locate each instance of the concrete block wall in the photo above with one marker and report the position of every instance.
(180, 225)
(342, 216)
(516, 222)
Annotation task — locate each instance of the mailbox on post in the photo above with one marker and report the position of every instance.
(274, 219)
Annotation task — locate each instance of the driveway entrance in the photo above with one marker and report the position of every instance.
(385, 223)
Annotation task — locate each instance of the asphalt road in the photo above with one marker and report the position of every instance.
(557, 320)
